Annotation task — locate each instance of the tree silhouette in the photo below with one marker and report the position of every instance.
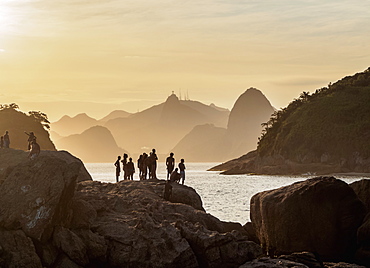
(41, 118)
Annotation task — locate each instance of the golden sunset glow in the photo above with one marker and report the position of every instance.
(66, 57)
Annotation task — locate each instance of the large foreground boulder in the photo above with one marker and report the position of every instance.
(35, 194)
(362, 189)
(319, 215)
(35, 197)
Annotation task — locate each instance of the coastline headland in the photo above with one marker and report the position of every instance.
(53, 215)
(253, 163)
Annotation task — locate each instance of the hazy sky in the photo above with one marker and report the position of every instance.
(131, 54)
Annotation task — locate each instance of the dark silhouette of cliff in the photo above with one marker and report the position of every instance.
(95, 144)
(17, 122)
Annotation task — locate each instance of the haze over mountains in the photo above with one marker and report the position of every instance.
(191, 129)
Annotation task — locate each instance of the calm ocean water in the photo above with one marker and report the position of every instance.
(226, 197)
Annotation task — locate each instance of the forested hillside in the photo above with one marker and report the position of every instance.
(321, 133)
(332, 123)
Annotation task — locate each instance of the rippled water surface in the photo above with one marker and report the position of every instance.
(225, 196)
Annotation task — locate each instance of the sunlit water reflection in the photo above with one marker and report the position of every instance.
(225, 196)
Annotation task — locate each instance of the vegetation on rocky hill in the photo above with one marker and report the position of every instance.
(332, 122)
(17, 122)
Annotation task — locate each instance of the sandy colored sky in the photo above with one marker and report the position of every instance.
(69, 56)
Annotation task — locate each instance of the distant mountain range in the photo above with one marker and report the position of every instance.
(75, 125)
(191, 129)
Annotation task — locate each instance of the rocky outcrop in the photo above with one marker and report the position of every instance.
(138, 226)
(17, 250)
(362, 189)
(35, 196)
(318, 215)
(48, 219)
(363, 240)
(272, 263)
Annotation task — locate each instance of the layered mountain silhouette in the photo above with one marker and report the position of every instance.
(95, 144)
(191, 129)
(241, 135)
(163, 126)
(73, 125)
(113, 115)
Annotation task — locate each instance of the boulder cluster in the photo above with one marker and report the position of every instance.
(52, 214)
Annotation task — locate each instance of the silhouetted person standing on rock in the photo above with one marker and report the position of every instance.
(149, 164)
(170, 163)
(139, 163)
(124, 163)
(1, 142)
(130, 169)
(6, 140)
(167, 191)
(182, 170)
(144, 166)
(31, 138)
(154, 164)
(118, 168)
(34, 150)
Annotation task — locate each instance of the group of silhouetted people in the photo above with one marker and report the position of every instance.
(147, 165)
(33, 146)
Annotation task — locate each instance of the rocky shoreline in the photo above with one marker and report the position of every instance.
(53, 215)
(253, 163)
